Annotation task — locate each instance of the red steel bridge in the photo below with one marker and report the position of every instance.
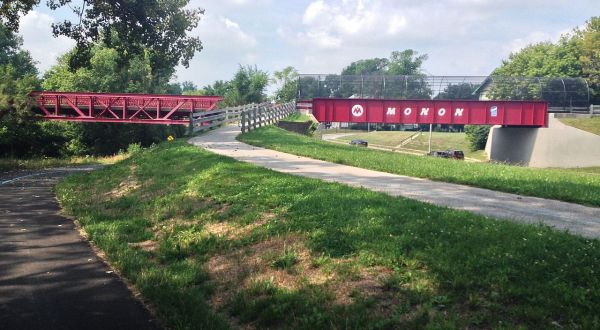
(121, 108)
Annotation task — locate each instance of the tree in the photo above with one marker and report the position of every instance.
(367, 67)
(461, 91)
(105, 75)
(18, 77)
(248, 86)
(576, 54)
(153, 28)
(11, 11)
(406, 62)
(403, 75)
(477, 136)
(287, 79)
(589, 43)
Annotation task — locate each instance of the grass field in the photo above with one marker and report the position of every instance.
(8, 164)
(439, 141)
(215, 243)
(591, 125)
(558, 184)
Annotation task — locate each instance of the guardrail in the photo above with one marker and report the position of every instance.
(250, 116)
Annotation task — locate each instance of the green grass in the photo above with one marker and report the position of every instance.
(591, 125)
(298, 117)
(439, 141)
(353, 258)
(9, 164)
(557, 184)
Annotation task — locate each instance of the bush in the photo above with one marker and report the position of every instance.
(477, 136)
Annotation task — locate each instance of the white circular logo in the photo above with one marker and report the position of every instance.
(357, 110)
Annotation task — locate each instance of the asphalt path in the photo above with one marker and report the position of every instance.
(50, 278)
(578, 219)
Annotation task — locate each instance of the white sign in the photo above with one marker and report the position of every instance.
(357, 110)
(494, 111)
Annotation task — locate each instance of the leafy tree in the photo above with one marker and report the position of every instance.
(248, 86)
(367, 67)
(155, 29)
(406, 62)
(462, 91)
(575, 55)
(11, 11)
(403, 75)
(287, 79)
(18, 77)
(105, 75)
(589, 44)
(219, 88)
(477, 136)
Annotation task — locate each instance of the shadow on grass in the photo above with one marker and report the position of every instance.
(450, 268)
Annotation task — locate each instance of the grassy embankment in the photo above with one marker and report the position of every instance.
(557, 184)
(439, 141)
(298, 118)
(591, 125)
(9, 164)
(215, 243)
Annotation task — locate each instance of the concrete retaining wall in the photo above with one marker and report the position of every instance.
(558, 145)
(296, 127)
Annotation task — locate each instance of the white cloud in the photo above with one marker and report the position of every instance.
(35, 27)
(225, 46)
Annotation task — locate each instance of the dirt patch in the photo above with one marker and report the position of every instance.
(125, 187)
(242, 268)
(147, 246)
(230, 231)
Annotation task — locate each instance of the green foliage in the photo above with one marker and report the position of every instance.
(461, 91)
(589, 44)
(247, 86)
(139, 28)
(440, 268)
(11, 12)
(574, 55)
(402, 71)
(547, 183)
(477, 136)
(287, 79)
(104, 75)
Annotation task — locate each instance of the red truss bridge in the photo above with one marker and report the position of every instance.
(121, 108)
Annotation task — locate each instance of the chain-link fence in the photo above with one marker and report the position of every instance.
(560, 93)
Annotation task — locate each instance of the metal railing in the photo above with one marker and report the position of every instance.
(560, 92)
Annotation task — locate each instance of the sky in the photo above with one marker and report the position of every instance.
(461, 37)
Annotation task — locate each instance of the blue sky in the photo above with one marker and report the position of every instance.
(461, 37)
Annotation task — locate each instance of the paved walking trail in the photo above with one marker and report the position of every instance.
(49, 276)
(576, 218)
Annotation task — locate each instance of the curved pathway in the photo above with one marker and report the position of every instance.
(576, 218)
(50, 278)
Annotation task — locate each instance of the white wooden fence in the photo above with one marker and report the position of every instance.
(250, 116)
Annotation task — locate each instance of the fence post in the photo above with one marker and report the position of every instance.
(191, 128)
(254, 115)
(243, 122)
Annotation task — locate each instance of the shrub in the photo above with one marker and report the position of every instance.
(477, 136)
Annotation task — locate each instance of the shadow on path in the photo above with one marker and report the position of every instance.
(49, 276)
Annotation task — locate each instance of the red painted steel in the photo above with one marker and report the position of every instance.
(460, 112)
(121, 108)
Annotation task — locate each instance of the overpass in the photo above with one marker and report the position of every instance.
(120, 107)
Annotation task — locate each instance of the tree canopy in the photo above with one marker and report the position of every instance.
(11, 11)
(576, 54)
(156, 29)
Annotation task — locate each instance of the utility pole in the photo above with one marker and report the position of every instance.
(430, 133)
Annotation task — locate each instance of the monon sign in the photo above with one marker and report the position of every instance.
(508, 113)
